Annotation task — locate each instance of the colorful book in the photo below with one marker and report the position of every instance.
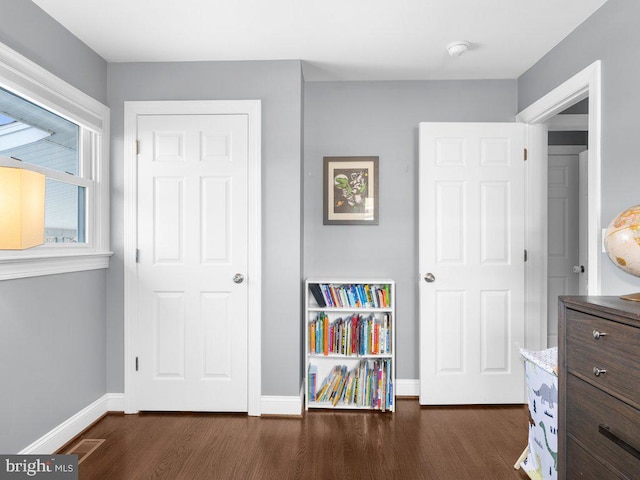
(325, 331)
(326, 294)
(313, 375)
(334, 296)
(312, 337)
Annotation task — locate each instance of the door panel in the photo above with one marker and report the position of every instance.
(449, 330)
(451, 222)
(216, 212)
(495, 230)
(168, 213)
(494, 321)
(217, 340)
(192, 238)
(472, 241)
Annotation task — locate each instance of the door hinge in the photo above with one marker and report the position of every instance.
(137, 256)
(526, 154)
(526, 255)
(136, 364)
(137, 147)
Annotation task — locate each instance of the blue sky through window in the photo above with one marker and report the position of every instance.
(4, 120)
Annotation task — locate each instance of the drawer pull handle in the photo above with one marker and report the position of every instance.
(598, 371)
(606, 431)
(597, 334)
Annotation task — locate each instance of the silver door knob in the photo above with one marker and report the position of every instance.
(578, 269)
(238, 278)
(429, 278)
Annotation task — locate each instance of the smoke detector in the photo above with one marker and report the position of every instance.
(458, 47)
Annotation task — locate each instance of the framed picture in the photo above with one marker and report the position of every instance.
(350, 191)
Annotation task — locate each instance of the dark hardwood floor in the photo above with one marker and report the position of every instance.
(435, 443)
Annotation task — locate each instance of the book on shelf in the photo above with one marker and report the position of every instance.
(313, 378)
(325, 334)
(350, 295)
(368, 384)
(317, 294)
(352, 335)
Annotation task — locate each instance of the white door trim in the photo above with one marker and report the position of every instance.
(586, 83)
(251, 108)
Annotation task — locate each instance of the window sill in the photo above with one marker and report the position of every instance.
(35, 266)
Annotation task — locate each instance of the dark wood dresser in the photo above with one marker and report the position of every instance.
(599, 388)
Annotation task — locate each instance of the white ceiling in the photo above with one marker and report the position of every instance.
(336, 39)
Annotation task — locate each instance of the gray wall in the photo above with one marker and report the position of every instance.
(30, 31)
(381, 118)
(52, 352)
(279, 85)
(52, 346)
(601, 37)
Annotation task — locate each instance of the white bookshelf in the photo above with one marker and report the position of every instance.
(373, 321)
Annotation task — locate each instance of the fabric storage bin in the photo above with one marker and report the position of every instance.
(541, 369)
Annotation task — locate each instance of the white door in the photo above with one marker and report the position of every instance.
(566, 266)
(192, 241)
(471, 262)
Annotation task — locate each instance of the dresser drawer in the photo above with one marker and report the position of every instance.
(617, 352)
(581, 465)
(608, 428)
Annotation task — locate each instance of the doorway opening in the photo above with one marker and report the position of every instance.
(567, 196)
(584, 85)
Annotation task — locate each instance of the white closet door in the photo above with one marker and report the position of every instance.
(471, 251)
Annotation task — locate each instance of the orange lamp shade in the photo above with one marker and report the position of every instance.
(21, 208)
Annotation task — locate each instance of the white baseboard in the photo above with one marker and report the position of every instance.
(294, 405)
(407, 387)
(282, 405)
(115, 402)
(56, 438)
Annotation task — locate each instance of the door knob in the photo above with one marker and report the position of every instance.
(578, 269)
(429, 278)
(238, 278)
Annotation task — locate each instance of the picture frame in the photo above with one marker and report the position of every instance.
(350, 188)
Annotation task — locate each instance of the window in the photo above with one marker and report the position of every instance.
(62, 133)
(36, 136)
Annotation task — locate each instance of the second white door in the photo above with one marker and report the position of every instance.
(567, 269)
(471, 251)
(192, 241)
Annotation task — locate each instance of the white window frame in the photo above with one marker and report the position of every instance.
(28, 80)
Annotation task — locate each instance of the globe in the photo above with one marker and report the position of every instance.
(622, 240)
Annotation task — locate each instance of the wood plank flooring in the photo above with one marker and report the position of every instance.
(433, 443)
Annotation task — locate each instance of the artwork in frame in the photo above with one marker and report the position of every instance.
(350, 191)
